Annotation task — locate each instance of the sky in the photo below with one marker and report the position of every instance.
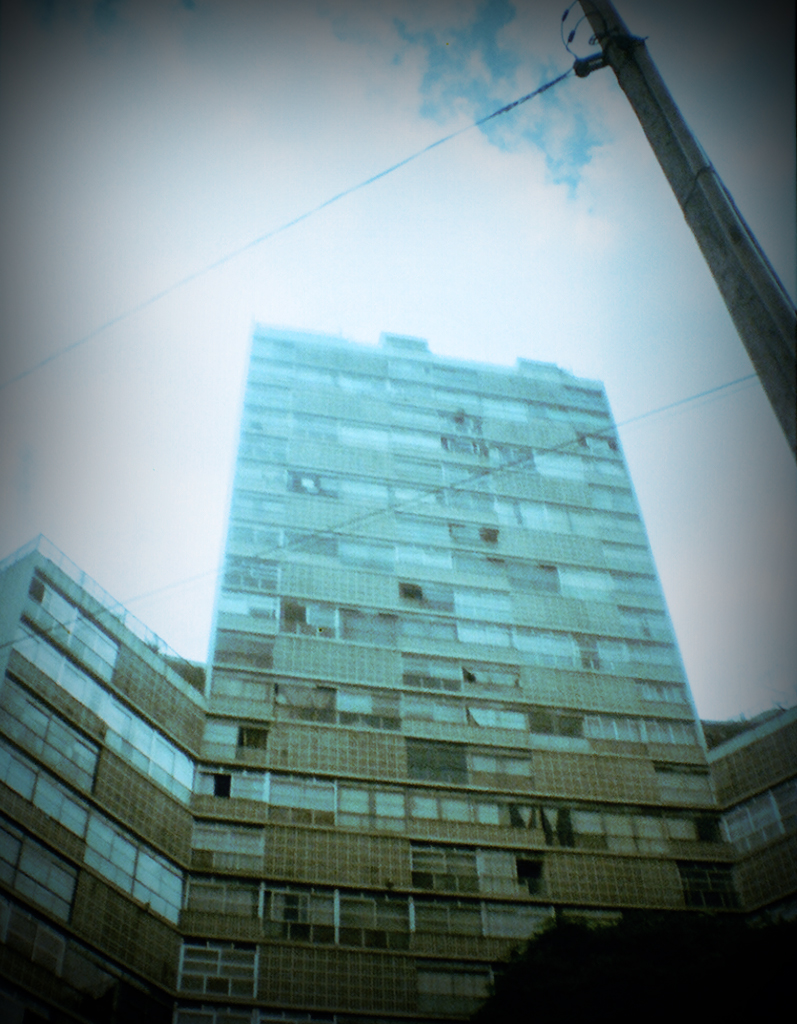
(144, 140)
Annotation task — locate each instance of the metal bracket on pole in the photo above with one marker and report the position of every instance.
(584, 66)
(760, 307)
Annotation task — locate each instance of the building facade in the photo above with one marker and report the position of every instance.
(445, 701)
(100, 728)
(444, 706)
(754, 774)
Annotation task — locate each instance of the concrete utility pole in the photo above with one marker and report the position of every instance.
(759, 305)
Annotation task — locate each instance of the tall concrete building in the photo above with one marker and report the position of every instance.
(444, 706)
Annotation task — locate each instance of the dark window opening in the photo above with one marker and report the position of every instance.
(489, 534)
(529, 873)
(436, 762)
(311, 483)
(707, 885)
(411, 591)
(293, 615)
(708, 828)
(522, 816)
(588, 647)
(549, 722)
(36, 590)
(564, 827)
(221, 785)
(252, 738)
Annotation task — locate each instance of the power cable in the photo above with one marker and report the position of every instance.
(233, 254)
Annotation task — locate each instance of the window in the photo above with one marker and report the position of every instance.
(458, 498)
(300, 800)
(376, 922)
(27, 935)
(452, 989)
(36, 872)
(419, 708)
(428, 805)
(682, 783)
(492, 605)
(550, 518)
(362, 436)
(446, 868)
(251, 574)
(305, 703)
(526, 577)
(431, 595)
(462, 423)
(302, 915)
(529, 873)
(707, 885)
(31, 724)
(378, 556)
(555, 650)
(496, 763)
(464, 446)
(312, 483)
(222, 847)
(438, 762)
(368, 627)
(317, 427)
(665, 692)
(498, 872)
(559, 464)
(412, 555)
(368, 807)
(132, 738)
(553, 722)
(447, 917)
(85, 639)
(427, 629)
(634, 583)
(430, 673)
(218, 968)
(255, 606)
(495, 675)
(467, 533)
(305, 543)
(480, 565)
(375, 710)
(223, 896)
(37, 785)
(237, 784)
(496, 718)
(362, 491)
(133, 867)
(588, 649)
(252, 737)
(754, 823)
(309, 619)
(515, 921)
(244, 650)
(221, 784)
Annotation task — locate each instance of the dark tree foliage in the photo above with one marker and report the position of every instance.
(650, 966)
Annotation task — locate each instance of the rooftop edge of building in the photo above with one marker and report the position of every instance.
(413, 347)
(187, 675)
